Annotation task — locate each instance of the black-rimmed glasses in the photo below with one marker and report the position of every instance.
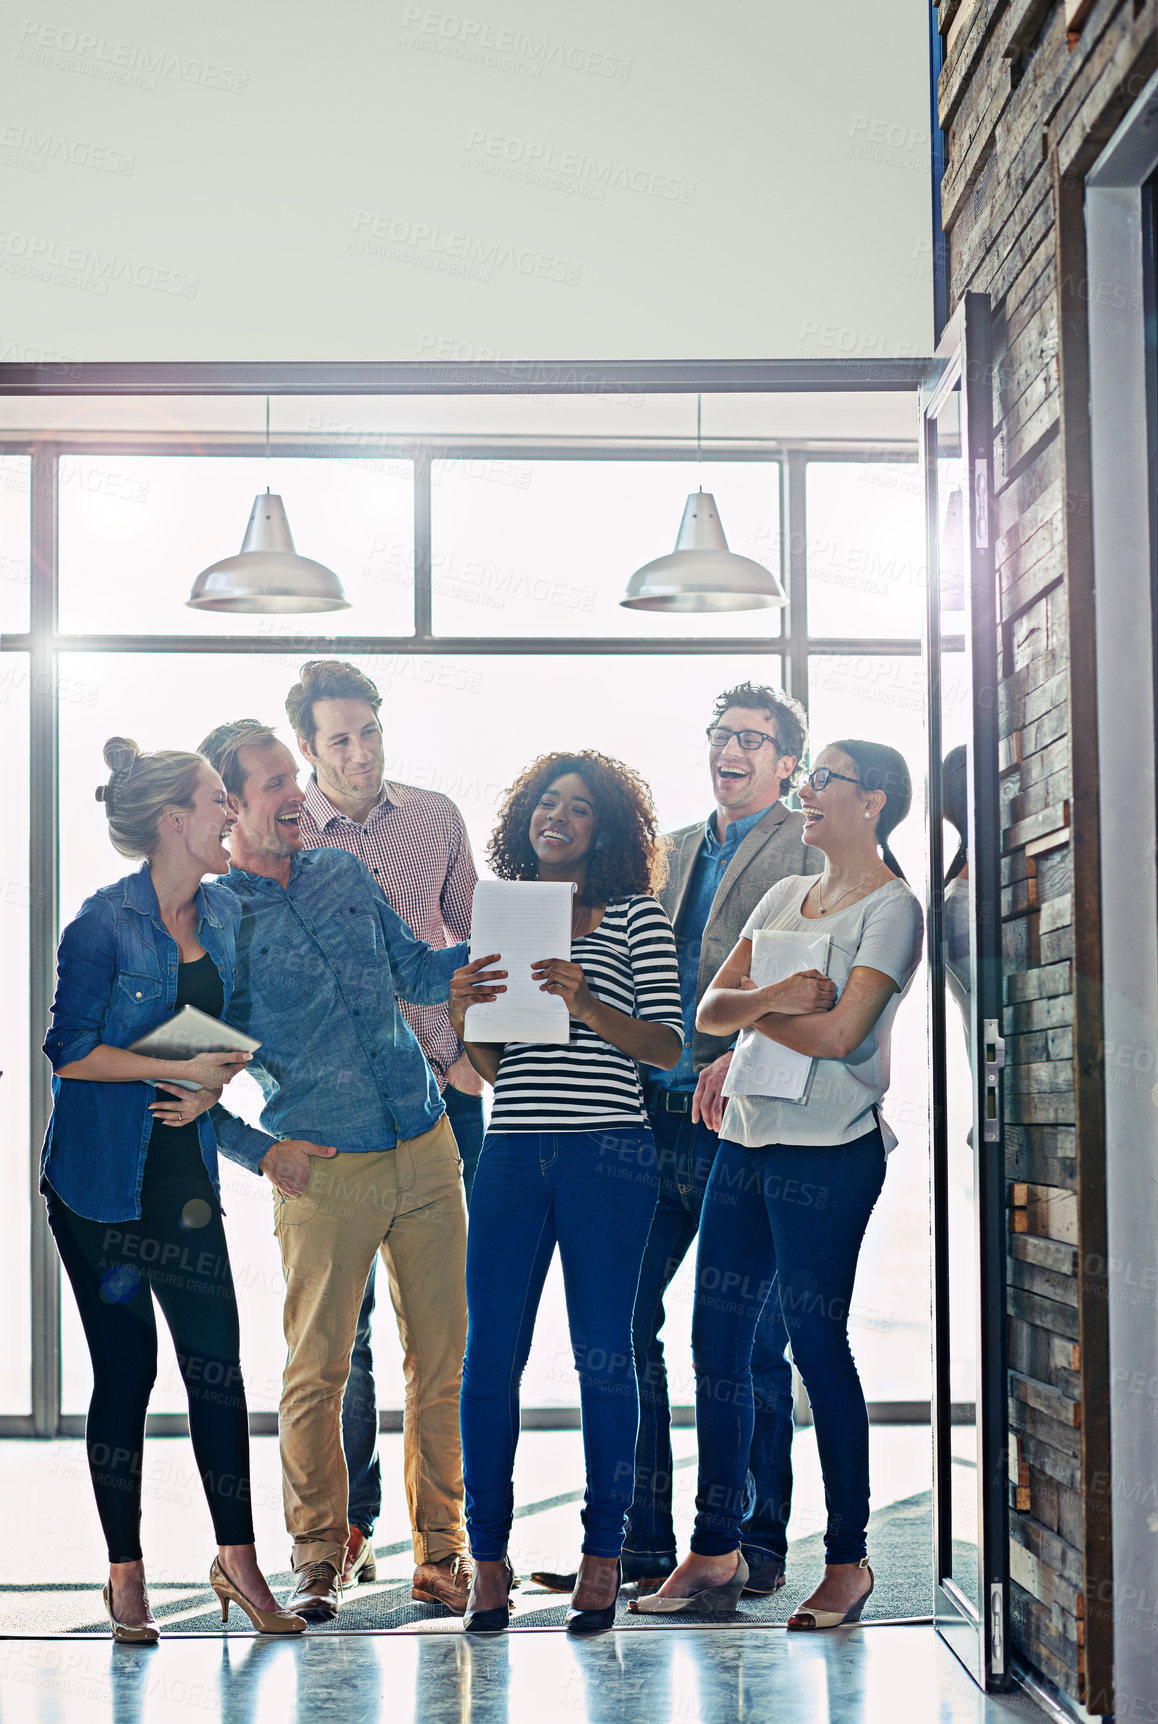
(821, 775)
(749, 740)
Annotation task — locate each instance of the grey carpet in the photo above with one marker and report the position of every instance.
(900, 1549)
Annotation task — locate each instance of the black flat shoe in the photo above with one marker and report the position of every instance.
(648, 1568)
(490, 1621)
(636, 1570)
(763, 1577)
(596, 1621)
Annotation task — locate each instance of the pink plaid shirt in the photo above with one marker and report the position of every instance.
(415, 845)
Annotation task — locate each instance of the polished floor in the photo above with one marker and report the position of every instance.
(706, 1676)
(435, 1674)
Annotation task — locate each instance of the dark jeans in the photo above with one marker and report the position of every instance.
(685, 1153)
(793, 1214)
(177, 1253)
(593, 1193)
(360, 1400)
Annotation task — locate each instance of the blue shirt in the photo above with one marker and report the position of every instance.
(707, 872)
(321, 965)
(116, 980)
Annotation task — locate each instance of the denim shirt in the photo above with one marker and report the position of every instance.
(707, 876)
(321, 966)
(117, 979)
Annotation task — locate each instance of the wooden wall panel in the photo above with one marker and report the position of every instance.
(1029, 96)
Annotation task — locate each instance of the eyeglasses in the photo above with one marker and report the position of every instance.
(820, 777)
(749, 740)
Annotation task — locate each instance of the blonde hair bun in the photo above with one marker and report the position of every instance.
(120, 753)
(139, 789)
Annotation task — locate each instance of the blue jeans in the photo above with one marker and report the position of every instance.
(592, 1192)
(360, 1400)
(685, 1153)
(793, 1214)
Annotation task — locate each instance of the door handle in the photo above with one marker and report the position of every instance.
(994, 1060)
(997, 1628)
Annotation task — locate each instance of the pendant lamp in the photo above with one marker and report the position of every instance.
(267, 574)
(702, 574)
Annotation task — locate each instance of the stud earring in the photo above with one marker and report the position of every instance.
(868, 813)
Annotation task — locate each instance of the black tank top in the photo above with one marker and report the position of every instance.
(174, 1154)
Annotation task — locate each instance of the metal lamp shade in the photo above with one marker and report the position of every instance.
(702, 574)
(267, 574)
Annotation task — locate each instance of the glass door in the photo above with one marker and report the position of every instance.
(970, 1465)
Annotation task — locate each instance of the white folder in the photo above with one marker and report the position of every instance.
(760, 1066)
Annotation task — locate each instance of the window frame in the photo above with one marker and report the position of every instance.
(44, 642)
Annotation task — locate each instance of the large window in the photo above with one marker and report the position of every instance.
(484, 589)
(545, 547)
(135, 530)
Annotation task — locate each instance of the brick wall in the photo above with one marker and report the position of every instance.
(1026, 105)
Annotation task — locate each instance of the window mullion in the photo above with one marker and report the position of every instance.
(44, 876)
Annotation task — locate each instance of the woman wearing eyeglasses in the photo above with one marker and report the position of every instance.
(808, 1174)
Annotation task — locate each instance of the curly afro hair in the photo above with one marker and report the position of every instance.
(629, 856)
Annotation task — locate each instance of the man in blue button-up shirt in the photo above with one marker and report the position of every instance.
(321, 962)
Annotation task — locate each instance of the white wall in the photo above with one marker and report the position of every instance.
(509, 179)
(1129, 842)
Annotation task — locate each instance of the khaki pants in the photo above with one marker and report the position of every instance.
(406, 1202)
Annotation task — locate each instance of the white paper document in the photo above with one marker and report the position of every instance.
(761, 1067)
(522, 920)
(188, 1033)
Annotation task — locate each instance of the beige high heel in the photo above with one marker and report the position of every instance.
(130, 1633)
(809, 1619)
(720, 1600)
(265, 1621)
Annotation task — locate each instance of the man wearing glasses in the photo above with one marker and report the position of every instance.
(720, 869)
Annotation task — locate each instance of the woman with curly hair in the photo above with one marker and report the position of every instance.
(568, 1159)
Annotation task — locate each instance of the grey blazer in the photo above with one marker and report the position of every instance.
(771, 851)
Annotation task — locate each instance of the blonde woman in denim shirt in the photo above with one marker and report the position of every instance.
(129, 1171)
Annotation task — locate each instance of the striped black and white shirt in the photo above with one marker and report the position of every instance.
(629, 962)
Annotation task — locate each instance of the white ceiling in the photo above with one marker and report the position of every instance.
(526, 179)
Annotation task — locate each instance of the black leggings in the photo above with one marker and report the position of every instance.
(177, 1251)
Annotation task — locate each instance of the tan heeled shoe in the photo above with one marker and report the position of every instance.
(722, 1599)
(265, 1621)
(809, 1619)
(130, 1633)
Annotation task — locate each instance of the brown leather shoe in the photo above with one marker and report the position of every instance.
(360, 1563)
(446, 1582)
(316, 1594)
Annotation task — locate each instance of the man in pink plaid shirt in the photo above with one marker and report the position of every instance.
(415, 844)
